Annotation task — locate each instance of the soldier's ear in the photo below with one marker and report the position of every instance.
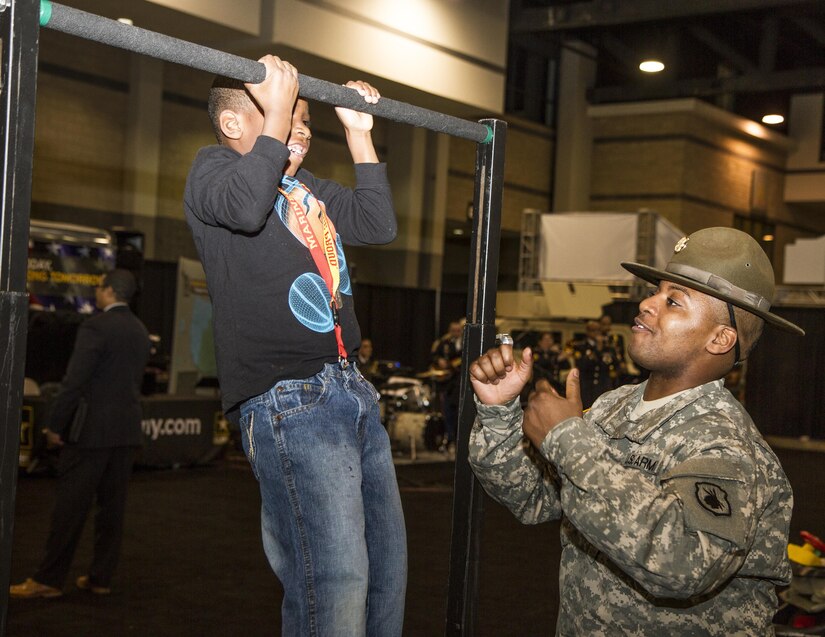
(722, 340)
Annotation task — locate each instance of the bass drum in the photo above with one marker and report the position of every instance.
(400, 393)
(413, 428)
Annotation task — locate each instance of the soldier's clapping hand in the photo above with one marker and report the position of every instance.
(497, 377)
(546, 408)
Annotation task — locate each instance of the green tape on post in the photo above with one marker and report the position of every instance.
(489, 137)
(45, 12)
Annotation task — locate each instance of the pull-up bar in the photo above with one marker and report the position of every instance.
(124, 36)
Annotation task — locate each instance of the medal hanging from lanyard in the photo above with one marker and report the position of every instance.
(324, 252)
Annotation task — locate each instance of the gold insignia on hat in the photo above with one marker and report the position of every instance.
(680, 245)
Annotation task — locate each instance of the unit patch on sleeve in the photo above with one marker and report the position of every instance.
(713, 495)
(713, 498)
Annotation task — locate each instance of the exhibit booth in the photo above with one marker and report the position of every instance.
(183, 427)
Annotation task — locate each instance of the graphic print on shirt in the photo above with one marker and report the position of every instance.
(309, 297)
(308, 302)
(345, 286)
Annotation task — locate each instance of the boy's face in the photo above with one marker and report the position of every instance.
(252, 124)
(673, 329)
(299, 136)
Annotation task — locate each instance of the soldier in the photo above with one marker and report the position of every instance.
(618, 370)
(594, 359)
(549, 359)
(675, 510)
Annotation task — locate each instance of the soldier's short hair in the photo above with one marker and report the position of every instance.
(748, 329)
(748, 325)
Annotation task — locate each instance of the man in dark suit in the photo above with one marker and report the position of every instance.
(96, 420)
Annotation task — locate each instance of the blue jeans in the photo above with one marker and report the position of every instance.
(331, 518)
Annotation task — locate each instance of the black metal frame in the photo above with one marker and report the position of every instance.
(18, 74)
(19, 32)
(479, 335)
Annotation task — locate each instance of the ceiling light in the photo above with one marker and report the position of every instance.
(651, 66)
(772, 118)
(126, 21)
(458, 232)
(767, 237)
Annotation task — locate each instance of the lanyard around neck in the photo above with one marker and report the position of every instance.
(324, 254)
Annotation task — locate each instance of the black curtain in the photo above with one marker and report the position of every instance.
(453, 308)
(785, 383)
(50, 342)
(156, 303)
(399, 321)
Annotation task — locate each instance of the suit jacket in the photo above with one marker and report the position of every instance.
(106, 369)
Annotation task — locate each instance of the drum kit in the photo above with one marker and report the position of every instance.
(409, 411)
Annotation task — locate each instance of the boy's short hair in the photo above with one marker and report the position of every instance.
(226, 94)
(122, 282)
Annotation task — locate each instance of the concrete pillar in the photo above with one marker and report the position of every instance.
(411, 236)
(574, 136)
(805, 176)
(805, 127)
(142, 152)
(436, 214)
(418, 164)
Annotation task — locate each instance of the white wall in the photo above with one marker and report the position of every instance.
(452, 49)
(243, 15)
(472, 27)
(805, 262)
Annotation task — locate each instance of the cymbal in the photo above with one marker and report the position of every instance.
(389, 387)
(434, 373)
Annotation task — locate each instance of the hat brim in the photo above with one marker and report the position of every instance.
(654, 275)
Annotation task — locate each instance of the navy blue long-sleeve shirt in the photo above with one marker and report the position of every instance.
(268, 315)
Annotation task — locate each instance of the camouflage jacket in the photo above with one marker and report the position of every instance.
(673, 524)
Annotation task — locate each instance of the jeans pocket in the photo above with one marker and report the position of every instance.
(247, 424)
(368, 388)
(294, 396)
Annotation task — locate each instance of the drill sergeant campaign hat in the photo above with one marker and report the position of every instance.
(724, 263)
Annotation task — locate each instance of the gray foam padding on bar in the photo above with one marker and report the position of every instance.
(123, 36)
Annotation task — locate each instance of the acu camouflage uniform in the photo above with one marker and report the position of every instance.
(673, 524)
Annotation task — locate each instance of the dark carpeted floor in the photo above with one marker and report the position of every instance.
(193, 563)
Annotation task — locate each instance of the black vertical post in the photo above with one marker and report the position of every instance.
(479, 335)
(19, 30)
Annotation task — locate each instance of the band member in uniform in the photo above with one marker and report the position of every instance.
(549, 359)
(593, 357)
(618, 370)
